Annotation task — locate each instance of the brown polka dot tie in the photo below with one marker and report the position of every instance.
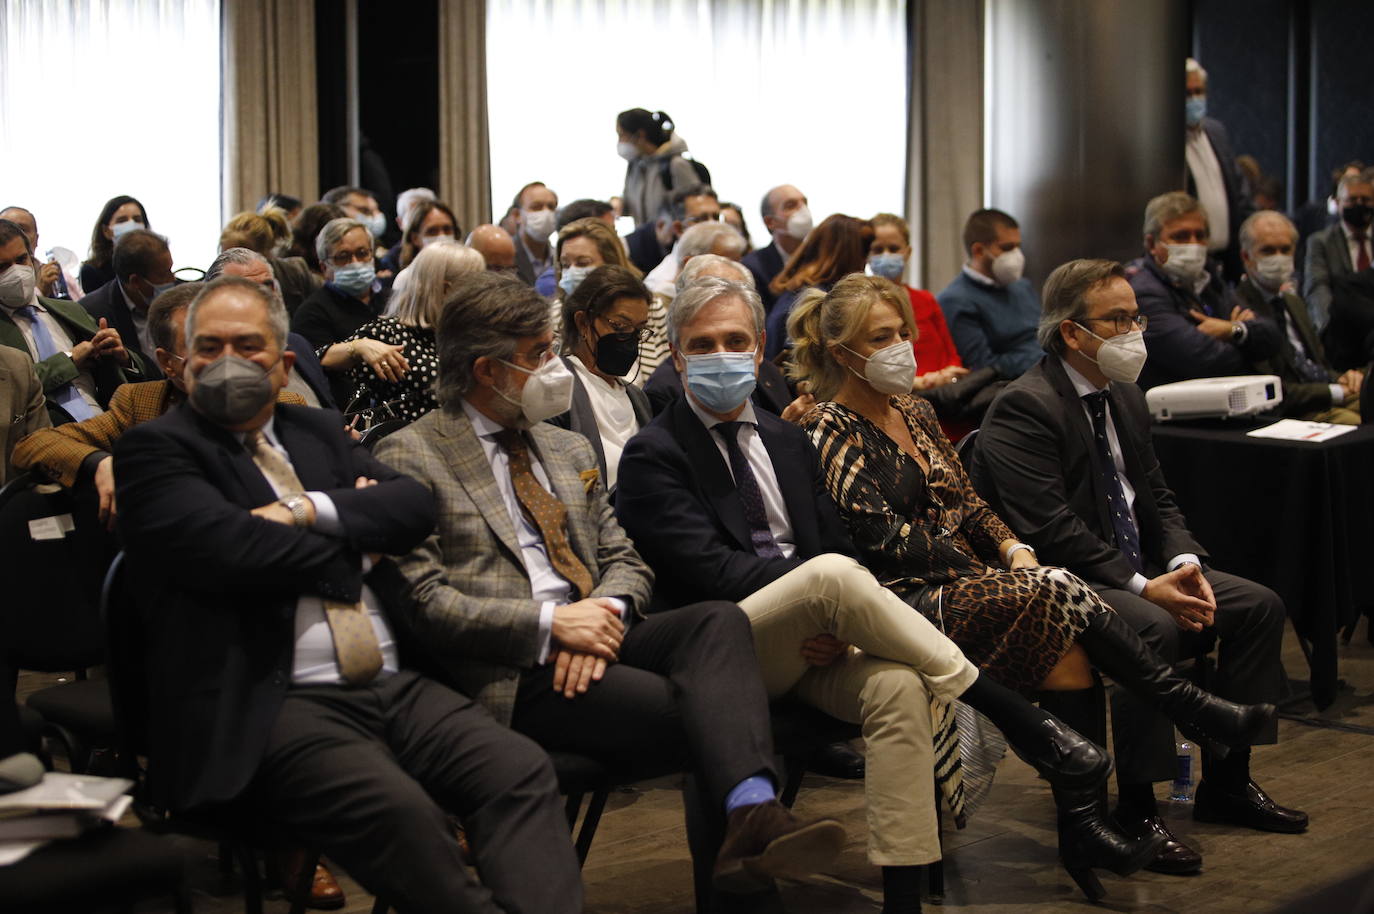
(546, 512)
(355, 641)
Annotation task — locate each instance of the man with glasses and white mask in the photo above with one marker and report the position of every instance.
(1065, 456)
(1197, 329)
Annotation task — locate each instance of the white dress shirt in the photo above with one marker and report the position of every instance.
(546, 585)
(1211, 187)
(1083, 387)
(615, 416)
(313, 661)
(84, 381)
(779, 524)
(662, 279)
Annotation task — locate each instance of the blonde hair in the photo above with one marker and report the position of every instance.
(251, 231)
(607, 243)
(437, 266)
(893, 220)
(821, 320)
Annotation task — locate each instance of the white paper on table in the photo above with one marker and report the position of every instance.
(1301, 430)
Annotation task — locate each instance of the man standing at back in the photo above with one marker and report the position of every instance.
(787, 216)
(990, 307)
(1213, 177)
(278, 668)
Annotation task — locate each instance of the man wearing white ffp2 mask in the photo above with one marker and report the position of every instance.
(1311, 389)
(1197, 328)
(537, 219)
(991, 309)
(786, 213)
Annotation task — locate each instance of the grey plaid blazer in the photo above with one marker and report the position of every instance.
(472, 599)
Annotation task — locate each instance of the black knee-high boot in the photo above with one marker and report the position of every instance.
(1088, 839)
(1211, 722)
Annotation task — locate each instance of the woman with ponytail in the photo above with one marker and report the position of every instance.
(648, 142)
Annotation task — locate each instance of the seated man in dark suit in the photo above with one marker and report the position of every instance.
(256, 536)
(1311, 389)
(1342, 248)
(79, 361)
(771, 392)
(1065, 456)
(787, 217)
(729, 502)
(143, 270)
(308, 379)
(534, 596)
(1196, 329)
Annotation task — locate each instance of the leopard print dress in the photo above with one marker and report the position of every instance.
(936, 543)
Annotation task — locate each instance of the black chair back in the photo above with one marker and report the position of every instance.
(965, 449)
(126, 669)
(56, 553)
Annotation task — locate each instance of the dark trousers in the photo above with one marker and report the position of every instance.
(685, 692)
(367, 775)
(1249, 631)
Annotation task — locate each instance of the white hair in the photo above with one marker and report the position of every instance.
(419, 300)
(1192, 66)
(703, 237)
(704, 265)
(408, 198)
(701, 293)
(333, 233)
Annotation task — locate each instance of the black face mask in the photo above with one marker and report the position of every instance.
(1357, 215)
(616, 353)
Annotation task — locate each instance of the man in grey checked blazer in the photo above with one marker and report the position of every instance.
(586, 673)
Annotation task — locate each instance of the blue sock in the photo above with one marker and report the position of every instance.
(750, 792)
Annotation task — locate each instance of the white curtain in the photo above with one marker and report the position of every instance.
(765, 92)
(106, 97)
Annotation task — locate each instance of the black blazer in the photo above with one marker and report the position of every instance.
(109, 302)
(308, 364)
(216, 587)
(644, 248)
(664, 387)
(1301, 396)
(1036, 464)
(677, 501)
(581, 419)
(329, 315)
(765, 263)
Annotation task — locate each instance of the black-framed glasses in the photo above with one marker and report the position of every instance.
(1124, 323)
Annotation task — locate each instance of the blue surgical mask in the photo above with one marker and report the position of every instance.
(120, 229)
(1195, 109)
(376, 224)
(572, 278)
(355, 278)
(721, 381)
(888, 266)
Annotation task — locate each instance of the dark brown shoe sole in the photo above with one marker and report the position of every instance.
(795, 854)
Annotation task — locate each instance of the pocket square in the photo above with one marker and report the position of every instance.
(589, 479)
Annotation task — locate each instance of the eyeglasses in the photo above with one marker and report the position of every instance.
(1124, 323)
(700, 218)
(622, 330)
(344, 258)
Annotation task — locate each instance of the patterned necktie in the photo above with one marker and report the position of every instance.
(747, 485)
(1302, 361)
(1362, 247)
(355, 641)
(546, 512)
(67, 396)
(1127, 537)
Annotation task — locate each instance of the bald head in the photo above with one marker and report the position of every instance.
(24, 219)
(494, 244)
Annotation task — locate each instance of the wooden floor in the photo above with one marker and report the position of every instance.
(1005, 860)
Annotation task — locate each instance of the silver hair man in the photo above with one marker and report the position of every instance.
(704, 291)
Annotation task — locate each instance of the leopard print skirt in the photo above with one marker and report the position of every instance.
(1015, 625)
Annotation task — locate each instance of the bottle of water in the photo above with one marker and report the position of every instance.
(1182, 791)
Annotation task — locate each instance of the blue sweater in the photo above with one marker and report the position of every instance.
(993, 326)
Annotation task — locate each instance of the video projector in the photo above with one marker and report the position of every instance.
(1214, 398)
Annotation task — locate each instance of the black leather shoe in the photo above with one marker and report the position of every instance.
(1173, 857)
(838, 760)
(1088, 841)
(1251, 807)
(766, 840)
(1063, 757)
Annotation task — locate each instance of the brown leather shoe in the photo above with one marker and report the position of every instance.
(284, 871)
(766, 840)
(1173, 857)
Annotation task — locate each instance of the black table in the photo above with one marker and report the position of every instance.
(1296, 516)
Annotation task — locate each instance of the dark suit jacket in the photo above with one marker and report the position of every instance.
(1301, 396)
(1036, 464)
(664, 387)
(581, 419)
(109, 302)
(329, 315)
(645, 250)
(308, 364)
(1178, 351)
(677, 500)
(524, 267)
(1238, 203)
(56, 371)
(217, 587)
(765, 263)
(1327, 257)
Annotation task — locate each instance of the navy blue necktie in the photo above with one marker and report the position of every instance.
(747, 485)
(1127, 537)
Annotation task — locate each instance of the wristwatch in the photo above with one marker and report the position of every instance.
(296, 504)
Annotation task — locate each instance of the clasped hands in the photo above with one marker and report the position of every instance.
(1184, 594)
(586, 636)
